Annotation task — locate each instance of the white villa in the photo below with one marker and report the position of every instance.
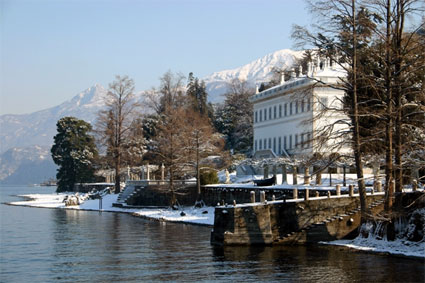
(288, 117)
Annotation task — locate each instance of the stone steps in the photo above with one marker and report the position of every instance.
(313, 230)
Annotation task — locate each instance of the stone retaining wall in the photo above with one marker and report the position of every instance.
(266, 223)
(160, 195)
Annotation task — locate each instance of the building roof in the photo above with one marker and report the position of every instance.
(326, 75)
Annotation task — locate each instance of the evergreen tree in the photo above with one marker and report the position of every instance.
(198, 96)
(73, 151)
(233, 118)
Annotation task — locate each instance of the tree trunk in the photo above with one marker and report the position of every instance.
(117, 176)
(356, 130)
(198, 173)
(398, 95)
(389, 128)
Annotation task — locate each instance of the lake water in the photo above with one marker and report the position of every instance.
(45, 245)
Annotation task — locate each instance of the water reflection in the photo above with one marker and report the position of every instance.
(318, 263)
(44, 245)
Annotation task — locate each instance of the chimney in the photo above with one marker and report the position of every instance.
(309, 69)
(282, 78)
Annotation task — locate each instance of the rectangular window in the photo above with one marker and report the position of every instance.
(290, 141)
(270, 113)
(255, 145)
(261, 115)
(265, 144)
(296, 107)
(286, 109)
(261, 144)
(308, 104)
(302, 105)
(280, 145)
(302, 141)
(256, 116)
(265, 114)
(290, 108)
(270, 143)
(274, 145)
(274, 113)
(296, 141)
(285, 146)
(309, 140)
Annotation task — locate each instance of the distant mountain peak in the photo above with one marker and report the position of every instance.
(40, 127)
(257, 71)
(94, 96)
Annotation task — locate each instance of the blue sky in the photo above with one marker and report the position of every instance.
(52, 50)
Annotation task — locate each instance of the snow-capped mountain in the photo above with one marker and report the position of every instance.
(38, 128)
(255, 72)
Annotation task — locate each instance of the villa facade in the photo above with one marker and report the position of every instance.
(288, 117)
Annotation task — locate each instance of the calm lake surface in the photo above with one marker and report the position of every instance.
(45, 245)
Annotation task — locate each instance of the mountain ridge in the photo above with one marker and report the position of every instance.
(38, 128)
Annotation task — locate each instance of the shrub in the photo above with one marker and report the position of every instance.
(209, 177)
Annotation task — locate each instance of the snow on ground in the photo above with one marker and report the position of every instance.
(192, 215)
(201, 216)
(397, 247)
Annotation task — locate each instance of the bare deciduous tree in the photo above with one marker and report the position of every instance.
(114, 124)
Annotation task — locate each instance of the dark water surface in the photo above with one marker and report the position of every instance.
(45, 245)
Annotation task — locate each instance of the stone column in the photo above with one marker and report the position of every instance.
(351, 190)
(128, 173)
(265, 171)
(262, 196)
(142, 168)
(378, 186)
(252, 193)
(307, 192)
(162, 172)
(294, 175)
(295, 193)
(275, 173)
(318, 176)
(227, 181)
(306, 176)
(148, 172)
(344, 180)
(284, 173)
(338, 190)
